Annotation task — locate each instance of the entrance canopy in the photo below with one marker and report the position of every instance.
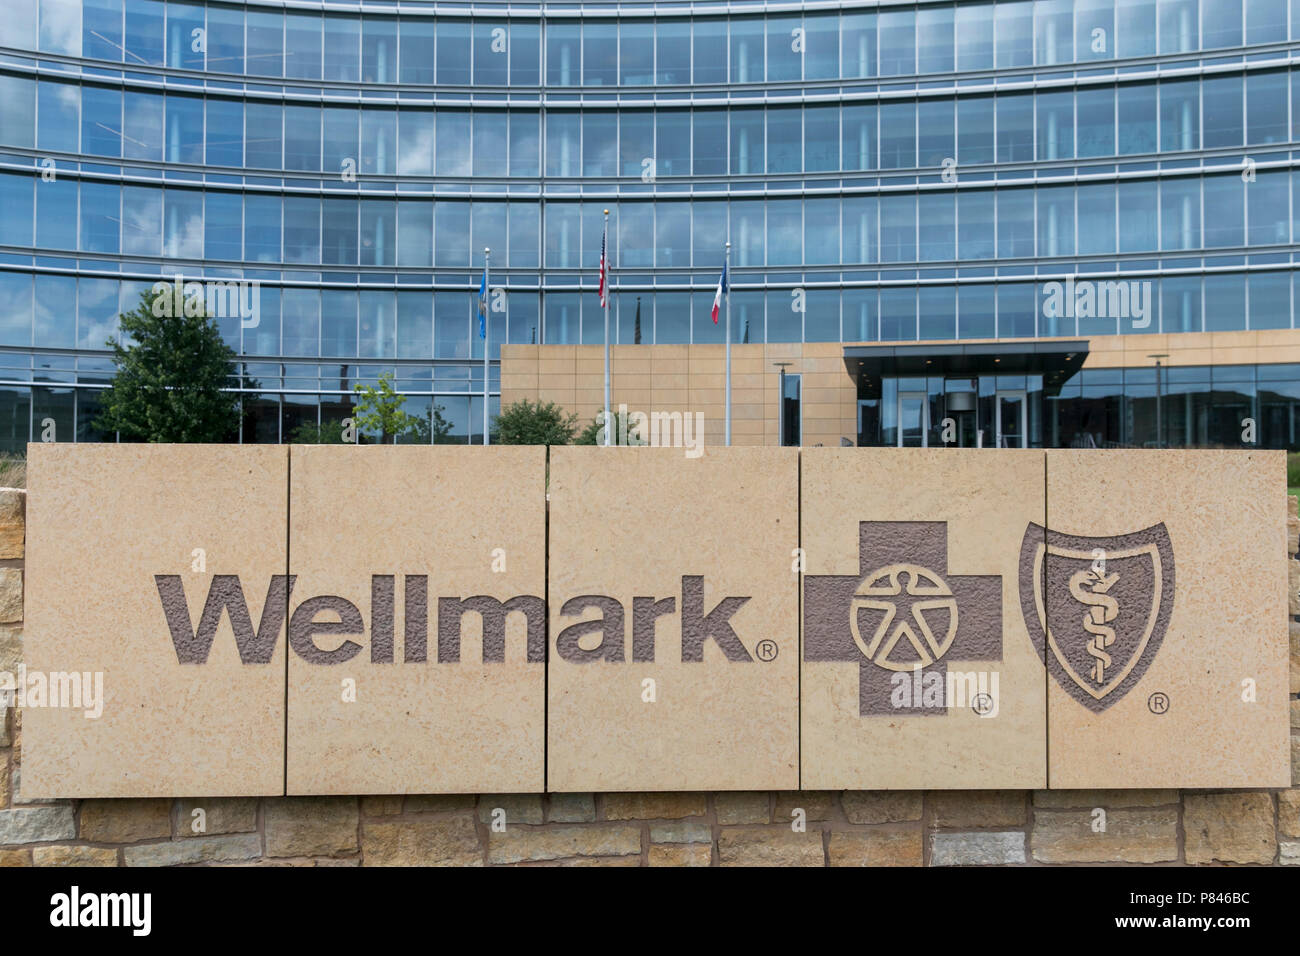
(1056, 360)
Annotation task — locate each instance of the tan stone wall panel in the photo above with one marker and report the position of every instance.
(432, 726)
(968, 510)
(1224, 518)
(629, 522)
(103, 520)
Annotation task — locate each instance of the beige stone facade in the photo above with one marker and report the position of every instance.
(682, 378)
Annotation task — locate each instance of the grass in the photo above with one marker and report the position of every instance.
(13, 471)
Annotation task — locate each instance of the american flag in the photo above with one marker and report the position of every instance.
(603, 291)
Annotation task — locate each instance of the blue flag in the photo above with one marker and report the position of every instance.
(482, 307)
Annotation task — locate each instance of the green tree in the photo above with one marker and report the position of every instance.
(169, 382)
(624, 434)
(433, 429)
(309, 433)
(525, 423)
(379, 411)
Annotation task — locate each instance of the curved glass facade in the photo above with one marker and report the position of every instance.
(885, 172)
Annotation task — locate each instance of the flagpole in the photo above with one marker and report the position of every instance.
(487, 257)
(609, 428)
(726, 307)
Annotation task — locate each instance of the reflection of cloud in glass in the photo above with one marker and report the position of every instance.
(15, 308)
(69, 96)
(415, 156)
(60, 26)
(187, 241)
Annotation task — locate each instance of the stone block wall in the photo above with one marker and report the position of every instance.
(850, 828)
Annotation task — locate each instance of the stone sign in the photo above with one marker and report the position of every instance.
(674, 619)
(918, 671)
(226, 620)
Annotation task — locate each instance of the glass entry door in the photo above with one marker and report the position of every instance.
(913, 420)
(1012, 424)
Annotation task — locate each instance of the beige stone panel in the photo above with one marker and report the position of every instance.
(521, 386)
(819, 410)
(1223, 569)
(668, 399)
(1192, 340)
(1270, 337)
(821, 396)
(633, 522)
(829, 366)
(745, 410)
(420, 726)
(1156, 342)
(551, 366)
(716, 380)
(102, 521)
(862, 726)
(824, 350)
(1180, 357)
(699, 357)
(636, 401)
(708, 399)
(1281, 353)
(1234, 338)
(511, 397)
(556, 385)
(670, 380)
(1239, 356)
(679, 352)
(563, 399)
(818, 433)
(561, 379)
(587, 413)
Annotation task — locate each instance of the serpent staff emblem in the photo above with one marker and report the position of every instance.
(1124, 586)
(1090, 587)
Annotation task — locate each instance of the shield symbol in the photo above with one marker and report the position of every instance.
(1097, 608)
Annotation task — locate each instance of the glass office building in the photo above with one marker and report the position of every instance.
(885, 172)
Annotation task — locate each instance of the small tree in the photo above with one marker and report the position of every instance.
(379, 411)
(624, 434)
(524, 423)
(170, 380)
(309, 433)
(433, 429)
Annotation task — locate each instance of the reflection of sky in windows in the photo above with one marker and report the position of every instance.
(899, 223)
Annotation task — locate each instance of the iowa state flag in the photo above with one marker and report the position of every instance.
(717, 296)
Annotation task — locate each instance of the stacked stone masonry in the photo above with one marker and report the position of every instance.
(850, 828)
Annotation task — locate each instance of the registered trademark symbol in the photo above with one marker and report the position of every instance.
(1158, 702)
(766, 650)
(981, 704)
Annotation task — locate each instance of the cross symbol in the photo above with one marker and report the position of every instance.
(829, 602)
